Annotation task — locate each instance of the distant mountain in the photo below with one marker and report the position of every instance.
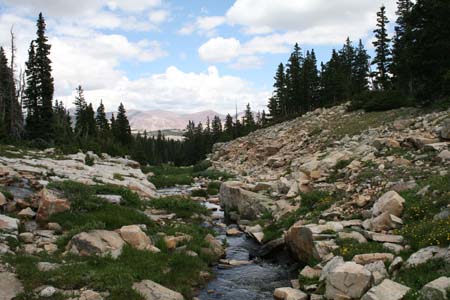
(152, 120)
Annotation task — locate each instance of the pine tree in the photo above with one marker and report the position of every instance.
(310, 81)
(100, 119)
(278, 104)
(123, 129)
(293, 82)
(249, 120)
(39, 93)
(403, 41)
(81, 117)
(62, 124)
(6, 84)
(360, 77)
(216, 129)
(347, 58)
(383, 53)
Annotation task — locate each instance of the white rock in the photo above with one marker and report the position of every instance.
(288, 293)
(437, 289)
(388, 289)
(348, 280)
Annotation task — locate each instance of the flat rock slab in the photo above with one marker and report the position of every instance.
(10, 286)
(388, 289)
(150, 290)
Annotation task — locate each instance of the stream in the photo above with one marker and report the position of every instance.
(255, 281)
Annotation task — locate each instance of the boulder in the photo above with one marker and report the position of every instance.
(425, 254)
(96, 242)
(136, 238)
(8, 224)
(215, 247)
(444, 155)
(10, 286)
(299, 240)
(390, 202)
(150, 290)
(330, 266)
(378, 270)
(173, 241)
(310, 273)
(348, 281)
(26, 214)
(113, 199)
(2, 199)
(269, 248)
(388, 289)
(445, 130)
(384, 222)
(50, 204)
(248, 204)
(438, 289)
(288, 293)
(353, 235)
(90, 295)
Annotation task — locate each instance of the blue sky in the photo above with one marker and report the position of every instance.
(182, 55)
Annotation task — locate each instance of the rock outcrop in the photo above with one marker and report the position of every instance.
(150, 290)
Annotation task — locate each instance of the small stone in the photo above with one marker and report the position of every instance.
(288, 293)
(55, 227)
(26, 237)
(393, 247)
(354, 235)
(233, 232)
(26, 213)
(90, 295)
(49, 291)
(46, 266)
(310, 273)
(396, 264)
(368, 258)
(444, 155)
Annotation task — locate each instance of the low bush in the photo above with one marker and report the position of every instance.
(202, 165)
(199, 193)
(182, 207)
(379, 101)
(213, 175)
(165, 181)
(214, 187)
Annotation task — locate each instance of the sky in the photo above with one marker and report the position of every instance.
(182, 55)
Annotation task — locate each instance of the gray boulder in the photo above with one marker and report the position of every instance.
(437, 289)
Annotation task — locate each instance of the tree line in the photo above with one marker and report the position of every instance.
(410, 68)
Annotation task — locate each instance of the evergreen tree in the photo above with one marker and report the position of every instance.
(293, 82)
(347, 59)
(122, 127)
(310, 80)
(6, 84)
(40, 89)
(100, 119)
(279, 101)
(81, 116)
(263, 118)
(383, 53)
(62, 125)
(229, 127)
(401, 51)
(249, 121)
(360, 77)
(216, 129)
(90, 119)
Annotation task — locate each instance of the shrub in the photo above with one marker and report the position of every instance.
(182, 207)
(213, 187)
(379, 101)
(89, 161)
(118, 176)
(202, 165)
(164, 181)
(213, 175)
(199, 193)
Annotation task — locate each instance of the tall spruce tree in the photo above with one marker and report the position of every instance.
(279, 103)
(401, 50)
(122, 127)
(293, 81)
(249, 120)
(81, 117)
(6, 84)
(360, 70)
(310, 81)
(100, 119)
(40, 87)
(383, 57)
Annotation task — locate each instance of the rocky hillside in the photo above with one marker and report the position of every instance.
(362, 198)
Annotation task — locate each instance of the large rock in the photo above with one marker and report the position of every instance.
(424, 255)
(288, 293)
(368, 258)
(50, 204)
(391, 202)
(2, 199)
(248, 204)
(97, 242)
(150, 290)
(387, 290)
(445, 129)
(134, 236)
(10, 286)
(9, 224)
(348, 281)
(438, 289)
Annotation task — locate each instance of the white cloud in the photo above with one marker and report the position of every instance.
(203, 25)
(158, 16)
(179, 91)
(219, 50)
(247, 62)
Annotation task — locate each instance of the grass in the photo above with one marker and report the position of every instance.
(213, 175)
(199, 193)
(213, 187)
(173, 270)
(417, 277)
(348, 248)
(182, 207)
(420, 229)
(118, 176)
(311, 206)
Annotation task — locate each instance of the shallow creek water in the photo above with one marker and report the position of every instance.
(255, 281)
